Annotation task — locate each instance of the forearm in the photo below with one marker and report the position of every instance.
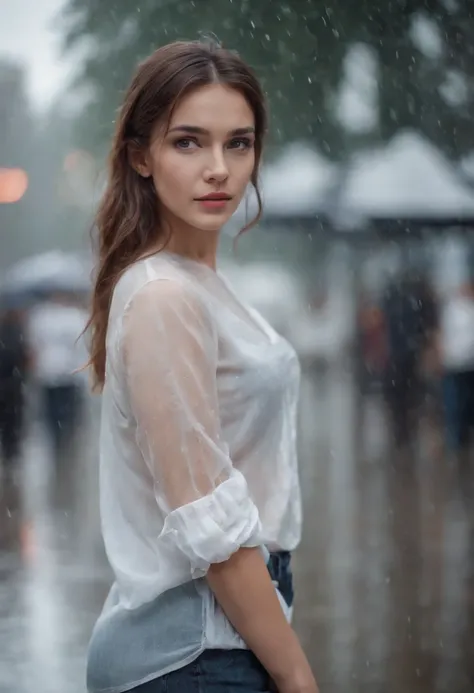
(243, 587)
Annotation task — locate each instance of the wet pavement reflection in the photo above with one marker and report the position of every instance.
(384, 574)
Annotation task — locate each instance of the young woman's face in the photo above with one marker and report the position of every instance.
(208, 150)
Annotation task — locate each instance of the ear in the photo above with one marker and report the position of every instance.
(139, 160)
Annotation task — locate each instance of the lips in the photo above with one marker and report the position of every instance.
(216, 197)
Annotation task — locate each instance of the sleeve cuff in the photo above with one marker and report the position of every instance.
(210, 529)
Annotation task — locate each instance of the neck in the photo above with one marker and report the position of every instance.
(194, 244)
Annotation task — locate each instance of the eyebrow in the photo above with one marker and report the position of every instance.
(194, 130)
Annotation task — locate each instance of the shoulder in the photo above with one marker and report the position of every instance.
(153, 281)
(156, 295)
(166, 296)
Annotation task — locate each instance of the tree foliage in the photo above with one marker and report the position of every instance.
(299, 49)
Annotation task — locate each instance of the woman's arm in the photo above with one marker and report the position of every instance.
(244, 589)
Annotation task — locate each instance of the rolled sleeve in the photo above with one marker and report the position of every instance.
(170, 351)
(211, 529)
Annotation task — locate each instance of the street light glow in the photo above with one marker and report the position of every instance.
(13, 184)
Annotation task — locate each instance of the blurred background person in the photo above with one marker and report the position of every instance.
(55, 334)
(410, 317)
(456, 347)
(371, 345)
(14, 362)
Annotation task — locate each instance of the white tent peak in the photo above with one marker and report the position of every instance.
(295, 183)
(409, 177)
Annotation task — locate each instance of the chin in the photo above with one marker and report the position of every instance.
(211, 222)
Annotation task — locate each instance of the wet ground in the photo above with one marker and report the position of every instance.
(384, 575)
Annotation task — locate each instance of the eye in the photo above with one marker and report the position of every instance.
(241, 143)
(185, 143)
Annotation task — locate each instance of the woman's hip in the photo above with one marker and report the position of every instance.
(214, 671)
(227, 670)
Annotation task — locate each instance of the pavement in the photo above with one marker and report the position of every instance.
(384, 574)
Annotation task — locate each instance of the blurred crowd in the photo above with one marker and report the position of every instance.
(416, 348)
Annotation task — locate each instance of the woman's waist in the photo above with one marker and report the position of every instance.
(129, 597)
(135, 586)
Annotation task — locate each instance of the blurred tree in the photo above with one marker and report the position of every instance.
(15, 115)
(422, 55)
(17, 150)
(38, 145)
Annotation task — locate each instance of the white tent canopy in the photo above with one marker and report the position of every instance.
(296, 183)
(408, 178)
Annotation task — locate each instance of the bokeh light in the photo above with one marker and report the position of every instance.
(13, 184)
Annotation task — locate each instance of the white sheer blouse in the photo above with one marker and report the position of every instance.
(198, 442)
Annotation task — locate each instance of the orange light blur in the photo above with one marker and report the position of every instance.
(13, 184)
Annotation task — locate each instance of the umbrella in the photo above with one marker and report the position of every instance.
(47, 273)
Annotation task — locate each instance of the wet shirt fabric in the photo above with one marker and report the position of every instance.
(198, 459)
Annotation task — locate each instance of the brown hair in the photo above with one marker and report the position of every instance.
(128, 221)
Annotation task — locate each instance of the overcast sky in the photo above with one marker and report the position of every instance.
(27, 33)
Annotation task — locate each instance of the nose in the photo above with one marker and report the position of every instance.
(217, 170)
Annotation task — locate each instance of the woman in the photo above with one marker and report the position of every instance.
(198, 467)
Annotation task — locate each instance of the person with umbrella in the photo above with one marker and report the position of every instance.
(55, 327)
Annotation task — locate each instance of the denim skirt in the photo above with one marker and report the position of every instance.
(227, 671)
